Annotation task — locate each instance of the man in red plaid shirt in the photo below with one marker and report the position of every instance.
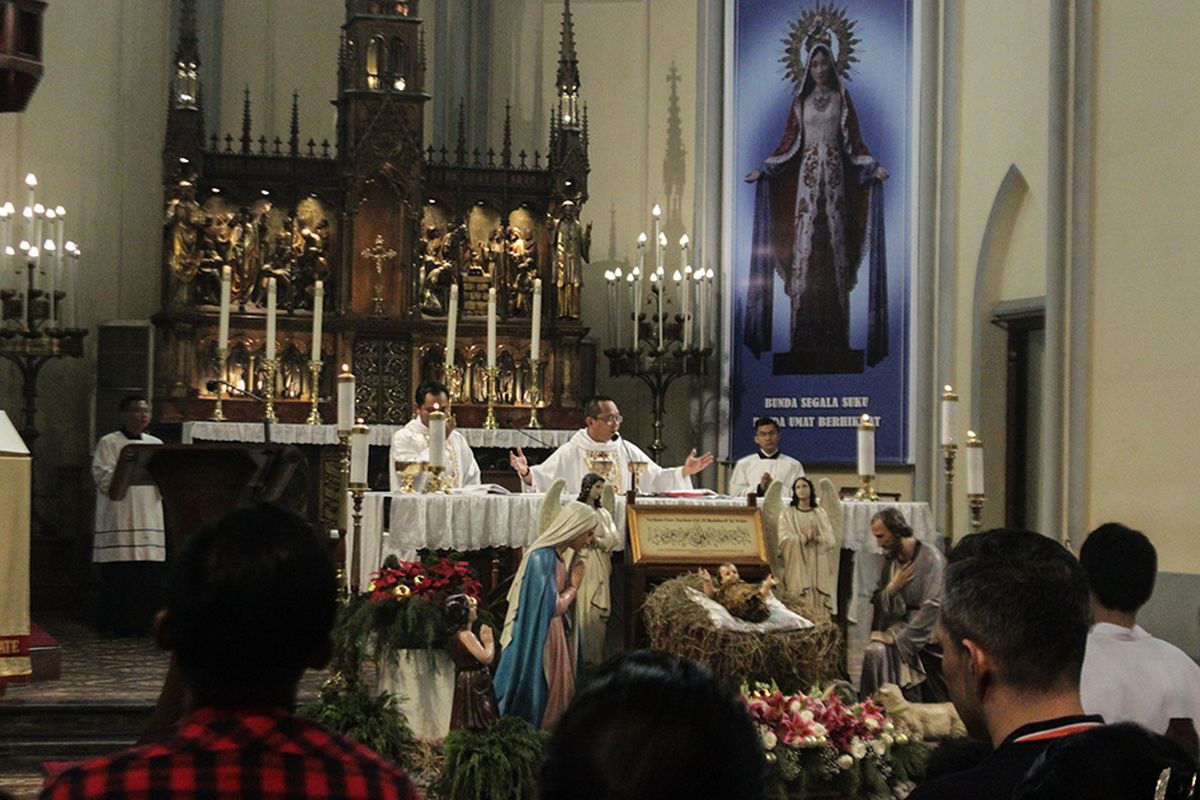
(250, 606)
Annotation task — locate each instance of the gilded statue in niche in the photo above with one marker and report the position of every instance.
(436, 273)
(571, 244)
(185, 221)
(522, 270)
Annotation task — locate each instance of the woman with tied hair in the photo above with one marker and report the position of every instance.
(809, 551)
(536, 677)
(475, 706)
(595, 597)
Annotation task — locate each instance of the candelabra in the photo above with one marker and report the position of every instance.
(867, 490)
(269, 366)
(490, 422)
(535, 394)
(658, 366)
(314, 415)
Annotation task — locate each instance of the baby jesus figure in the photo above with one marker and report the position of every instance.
(743, 600)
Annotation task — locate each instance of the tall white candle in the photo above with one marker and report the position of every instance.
(687, 306)
(39, 214)
(452, 325)
(635, 303)
(223, 319)
(76, 254)
(5, 243)
(656, 212)
(318, 318)
(662, 254)
(30, 184)
(491, 329)
(360, 450)
(618, 290)
(700, 307)
(866, 446)
(949, 414)
(50, 258)
(60, 214)
(974, 464)
(437, 438)
(271, 290)
(7, 261)
(535, 342)
(345, 400)
(35, 255)
(658, 289)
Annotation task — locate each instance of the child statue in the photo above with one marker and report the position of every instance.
(743, 600)
(475, 706)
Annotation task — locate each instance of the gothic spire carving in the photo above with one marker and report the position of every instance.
(506, 148)
(568, 63)
(188, 49)
(246, 120)
(294, 137)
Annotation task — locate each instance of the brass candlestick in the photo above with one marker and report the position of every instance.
(343, 479)
(636, 468)
(490, 422)
(535, 393)
(435, 484)
(218, 415)
(452, 377)
(408, 472)
(976, 501)
(356, 495)
(867, 490)
(949, 453)
(269, 365)
(314, 415)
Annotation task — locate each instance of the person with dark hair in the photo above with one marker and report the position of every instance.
(1111, 761)
(475, 706)
(250, 605)
(1128, 675)
(411, 443)
(754, 472)
(599, 448)
(905, 607)
(809, 550)
(130, 543)
(650, 725)
(1014, 622)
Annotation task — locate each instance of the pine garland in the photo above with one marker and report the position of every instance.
(500, 763)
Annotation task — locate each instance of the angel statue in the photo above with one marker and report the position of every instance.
(536, 676)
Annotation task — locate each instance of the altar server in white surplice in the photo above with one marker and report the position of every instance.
(130, 544)
(599, 448)
(755, 472)
(411, 443)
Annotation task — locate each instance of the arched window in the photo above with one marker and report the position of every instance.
(376, 62)
(397, 81)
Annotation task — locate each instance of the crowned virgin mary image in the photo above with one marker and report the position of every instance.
(818, 212)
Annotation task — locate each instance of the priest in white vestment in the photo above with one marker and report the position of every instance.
(755, 472)
(599, 448)
(411, 443)
(130, 543)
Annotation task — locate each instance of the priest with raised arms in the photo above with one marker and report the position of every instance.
(411, 443)
(599, 448)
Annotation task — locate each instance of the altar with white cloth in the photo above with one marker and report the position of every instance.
(380, 435)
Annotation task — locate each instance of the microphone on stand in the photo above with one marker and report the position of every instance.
(212, 387)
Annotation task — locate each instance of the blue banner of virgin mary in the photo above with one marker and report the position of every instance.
(819, 140)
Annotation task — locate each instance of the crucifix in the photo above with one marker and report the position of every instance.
(378, 254)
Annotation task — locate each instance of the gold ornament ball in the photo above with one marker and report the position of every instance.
(371, 586)
(401, 592)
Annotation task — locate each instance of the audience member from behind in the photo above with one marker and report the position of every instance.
(1013, 629)
(652, 725)
(250, 605)
(1128, 675)
(1111, 761)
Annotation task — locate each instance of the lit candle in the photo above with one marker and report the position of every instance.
(360, 449)
(610, 286)
(76, 254)
(535, 342)
(39, 214)
(687, 305)
(635, 302)
(9, 253)
(974, 464)
(700, 306)
(60, 214)
(31, 184)
(866, 446)
(657, 288)
(36, 259)
(318, 314)
(452, 325)
(271, 318)
(618, 276)
(678, 278)
(5, 241)
(949, 414)
(491, 329)
(662, 251)
(656, 212)
(51, 256)
(345, 400)
(437, 438)
(223, 319)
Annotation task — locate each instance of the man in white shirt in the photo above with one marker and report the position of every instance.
(411, 443)
(599, 448)
(1128, 675)
(755, 472)
(130, 543)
